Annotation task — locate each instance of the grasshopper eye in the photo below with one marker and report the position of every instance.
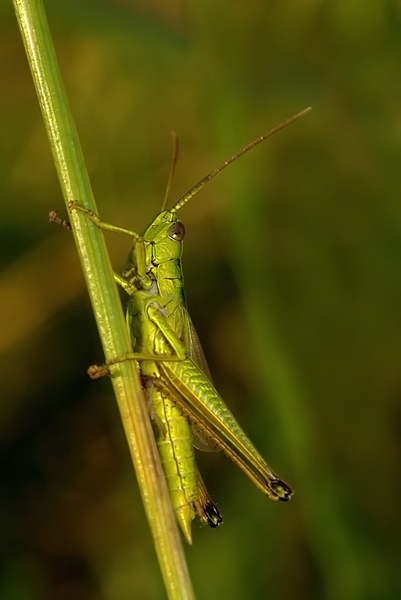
(176, 232)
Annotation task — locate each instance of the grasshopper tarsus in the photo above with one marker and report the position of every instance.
(96, 372)
(53, 218)
(73, 205)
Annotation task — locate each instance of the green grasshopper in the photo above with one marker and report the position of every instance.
(186, 408)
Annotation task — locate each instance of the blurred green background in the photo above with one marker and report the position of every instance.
(292, 265)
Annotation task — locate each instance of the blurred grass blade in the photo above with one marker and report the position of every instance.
(103, 292)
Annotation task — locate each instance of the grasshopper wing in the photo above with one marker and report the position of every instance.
(195, 351)
(193, 345)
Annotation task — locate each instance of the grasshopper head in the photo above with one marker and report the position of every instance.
(163, 238)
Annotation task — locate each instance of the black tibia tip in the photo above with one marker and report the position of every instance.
(282, 489)
(212, 515)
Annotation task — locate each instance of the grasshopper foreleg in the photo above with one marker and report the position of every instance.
(155, 314)
(99, 223)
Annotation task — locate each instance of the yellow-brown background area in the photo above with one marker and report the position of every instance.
(293, 278)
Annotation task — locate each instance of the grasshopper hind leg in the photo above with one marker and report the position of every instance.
(207, 511)
(282, 489)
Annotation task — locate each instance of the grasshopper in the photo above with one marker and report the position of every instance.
(187, 410)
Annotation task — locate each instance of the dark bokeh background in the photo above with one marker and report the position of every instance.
(292, 264)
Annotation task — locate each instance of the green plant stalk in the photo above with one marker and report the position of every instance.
(103, 292)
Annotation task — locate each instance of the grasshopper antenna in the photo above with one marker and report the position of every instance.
(184, 199)
(172, 168)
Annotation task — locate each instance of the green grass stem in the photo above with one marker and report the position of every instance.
(103, 292)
